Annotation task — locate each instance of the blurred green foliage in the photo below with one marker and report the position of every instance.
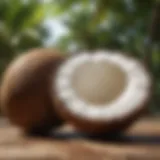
(20, 28)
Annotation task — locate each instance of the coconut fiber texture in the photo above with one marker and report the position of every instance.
(25, 89)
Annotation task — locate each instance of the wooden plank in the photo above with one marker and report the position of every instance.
(15, 146)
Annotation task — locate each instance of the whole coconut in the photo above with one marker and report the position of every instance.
(25, 90)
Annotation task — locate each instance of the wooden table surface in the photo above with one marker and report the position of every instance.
(141, 142)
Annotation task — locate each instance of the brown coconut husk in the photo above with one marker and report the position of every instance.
(25, 96)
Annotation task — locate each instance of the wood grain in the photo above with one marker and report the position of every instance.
(136, 144)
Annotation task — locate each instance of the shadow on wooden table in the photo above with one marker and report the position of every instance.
(140, 142)
(143, 135)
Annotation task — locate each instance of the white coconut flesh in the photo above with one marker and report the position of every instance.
(102, 85)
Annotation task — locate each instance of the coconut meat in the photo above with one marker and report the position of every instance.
(102, 85)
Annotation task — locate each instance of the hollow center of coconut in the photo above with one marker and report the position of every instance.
(98, 83)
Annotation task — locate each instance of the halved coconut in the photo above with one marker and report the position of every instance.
(102, 91)
(25, 90)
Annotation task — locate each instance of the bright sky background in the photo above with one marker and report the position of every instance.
(56, 29)
(54, 25)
